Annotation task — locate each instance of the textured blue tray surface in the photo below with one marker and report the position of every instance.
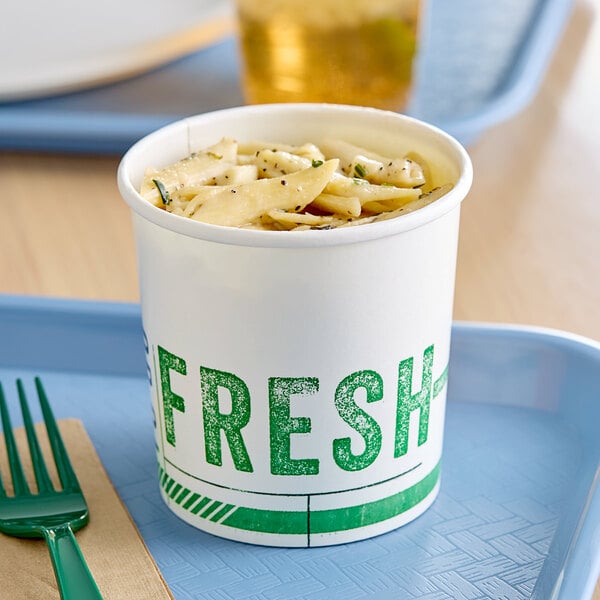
(518, 515)
(481, 63)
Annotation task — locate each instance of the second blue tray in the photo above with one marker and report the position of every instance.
(481, 63)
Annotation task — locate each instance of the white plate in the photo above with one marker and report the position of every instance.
(64, 45)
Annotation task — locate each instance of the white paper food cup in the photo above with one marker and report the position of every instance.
(299, 378)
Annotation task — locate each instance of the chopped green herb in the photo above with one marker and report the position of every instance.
(316, 163)
(360, 170)
(217, 156)
(162, 190)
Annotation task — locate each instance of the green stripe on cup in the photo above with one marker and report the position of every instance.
(352, 517)
(440, 382)
(297, 522)
(268, 521)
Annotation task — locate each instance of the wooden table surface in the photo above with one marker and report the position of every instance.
(530, 228)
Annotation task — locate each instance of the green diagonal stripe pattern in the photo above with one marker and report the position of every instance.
(297, 522)
(201, 506)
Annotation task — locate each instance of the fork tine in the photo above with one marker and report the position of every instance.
(2, 403)
(16, 468)
(37, 458)
(61, 458)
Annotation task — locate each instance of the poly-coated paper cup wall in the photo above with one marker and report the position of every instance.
(298, 378)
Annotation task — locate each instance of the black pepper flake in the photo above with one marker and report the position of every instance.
(234, 191)
(283, 182)
(298, 208)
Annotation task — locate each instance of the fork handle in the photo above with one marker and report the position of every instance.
(75, 582)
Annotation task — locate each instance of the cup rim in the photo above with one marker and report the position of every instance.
(296, 239)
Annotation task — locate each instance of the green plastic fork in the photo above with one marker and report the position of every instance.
(50, 514)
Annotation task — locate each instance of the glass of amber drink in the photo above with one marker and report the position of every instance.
(360, 52)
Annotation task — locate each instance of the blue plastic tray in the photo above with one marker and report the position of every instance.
(481, 63)
(518, 515)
